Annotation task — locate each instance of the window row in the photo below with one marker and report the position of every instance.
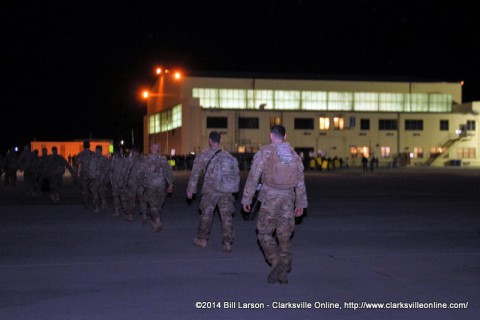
(335, 123)
(322, 100)
(166, 120)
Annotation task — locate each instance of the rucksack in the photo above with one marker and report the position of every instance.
(224, 173)
(279, 174)
(155, 173)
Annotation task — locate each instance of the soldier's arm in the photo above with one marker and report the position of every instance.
(198, 165)
(252, 181)
(300, 189)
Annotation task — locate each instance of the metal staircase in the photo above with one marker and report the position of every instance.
(446, 146)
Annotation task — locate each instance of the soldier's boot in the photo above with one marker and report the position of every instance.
(96, 209)
(202, 243)
(278, 272)
(283, 277)
(157, 225)
(116, 213)
(227, 247)
(144, 219)
(104, 205)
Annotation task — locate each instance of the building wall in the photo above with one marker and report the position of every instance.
(68, 148)
(193, 134)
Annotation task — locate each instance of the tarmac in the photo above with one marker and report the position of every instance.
(399, 243)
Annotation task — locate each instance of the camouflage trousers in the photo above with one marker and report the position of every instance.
(123, 199)
(141, 196)
(208, 203)
(98, 189)
(276, 216)
(155, 198)
(55, 182)
(83, 181)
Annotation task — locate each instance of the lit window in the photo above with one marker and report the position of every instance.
(338, 123)
(418, 152)
(324, 123)
(385, 152)
(466, 153)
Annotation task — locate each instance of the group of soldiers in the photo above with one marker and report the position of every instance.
(40, 172)
(132, 178)
(276, 179)
(146, 180)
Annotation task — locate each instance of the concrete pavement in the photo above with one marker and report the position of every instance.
(407, 238)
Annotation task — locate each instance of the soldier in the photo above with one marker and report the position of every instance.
(56, 170)
(158, 173)
(136, 185)
(42, 176)
(25, 164)
(98, 170)
(80, 172)
(283, 197)
(35, 173)
(211, 196)
(116, 179)
(11, 167)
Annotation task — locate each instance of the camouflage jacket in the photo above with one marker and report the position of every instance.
(198, 170)
(154, 167)
(81, 163)
(258, 169)
(57, 165)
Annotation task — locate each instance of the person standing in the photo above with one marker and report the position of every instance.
(283, 197)
(56, 170)
(80, 172)
(211, 196)
(98, 170)
(158, 177)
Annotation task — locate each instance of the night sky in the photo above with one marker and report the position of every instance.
(73, 70)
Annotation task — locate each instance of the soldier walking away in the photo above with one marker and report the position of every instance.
(157, 175)
(80, 172)
(117, 179)
(10, 164)
(136, 184)
(211, 161)
(42, 177)
(283, 197)
(56, 169)
(98, 170)
(25, 164)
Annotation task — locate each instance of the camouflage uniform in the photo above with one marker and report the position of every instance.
(80, 173)
(98, 170)
(211, 198)
(11, 168)
(25, 162)
(56, 170)
(116, 181)
(42, 176)
(136, 184)
(157, 173)
(276, 214)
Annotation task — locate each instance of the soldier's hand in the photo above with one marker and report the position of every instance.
(247, 207)
(189, 195)
(170, 189)
(298, 212)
